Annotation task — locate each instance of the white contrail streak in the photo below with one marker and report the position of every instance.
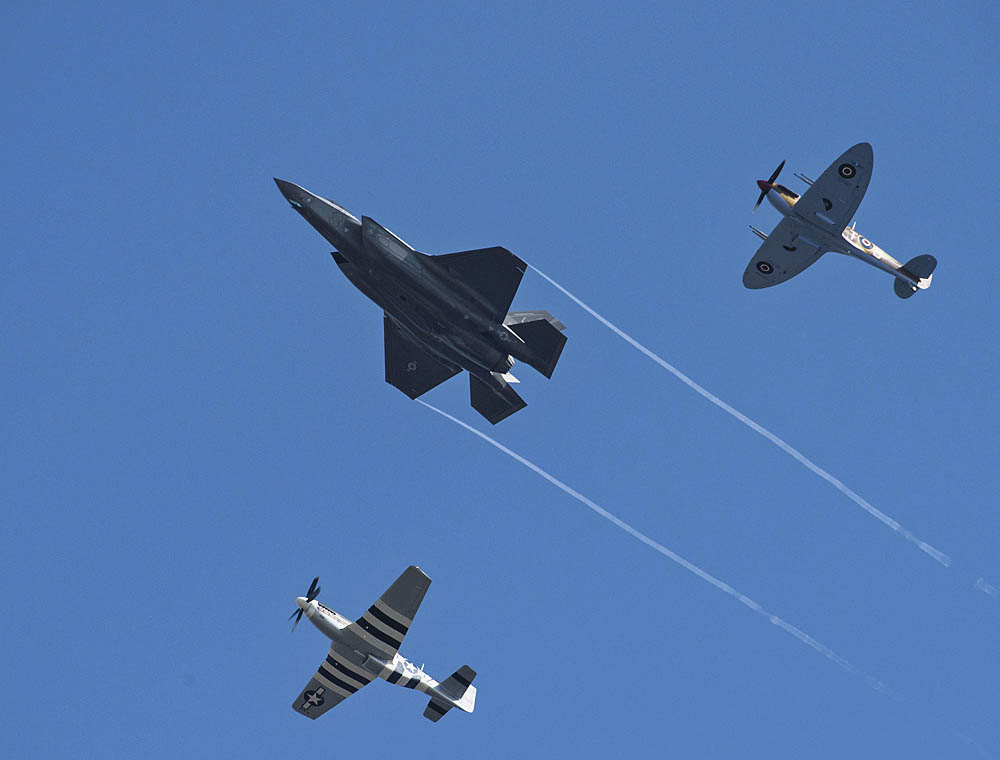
(879, 515)
(801, 635)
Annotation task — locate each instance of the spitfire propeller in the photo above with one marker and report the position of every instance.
(766, 186)
(311, 594)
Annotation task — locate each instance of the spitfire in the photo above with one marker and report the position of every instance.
(443, 313)
(368, 648)
(816, 222)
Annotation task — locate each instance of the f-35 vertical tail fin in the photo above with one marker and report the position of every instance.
(495, 403)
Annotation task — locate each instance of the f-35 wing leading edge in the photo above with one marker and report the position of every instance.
(443, 314)
(816, 222)
(367, 648)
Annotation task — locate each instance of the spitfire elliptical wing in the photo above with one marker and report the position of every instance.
(830, 202)
(784, 254)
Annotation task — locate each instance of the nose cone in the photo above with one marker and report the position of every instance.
(764, 185)
(293, 193)
(302, 602)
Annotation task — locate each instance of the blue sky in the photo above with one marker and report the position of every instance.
(197, 423)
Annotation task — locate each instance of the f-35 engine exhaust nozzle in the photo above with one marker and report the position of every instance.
(766, 185)
(311, 594)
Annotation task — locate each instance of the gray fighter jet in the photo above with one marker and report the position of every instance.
(365, 650)
(443, 313)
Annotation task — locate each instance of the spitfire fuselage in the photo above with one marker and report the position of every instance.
(439, 311)
(849, 243)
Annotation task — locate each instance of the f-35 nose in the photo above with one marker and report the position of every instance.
(292, 192)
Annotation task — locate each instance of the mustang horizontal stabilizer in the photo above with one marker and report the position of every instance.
(493, 274)
(459, 691)
(408, 366)
(386, 622)
(494, 405)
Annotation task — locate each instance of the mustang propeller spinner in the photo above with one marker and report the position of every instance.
(311, 594)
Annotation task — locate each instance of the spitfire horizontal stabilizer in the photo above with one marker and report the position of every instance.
(494, 404)
(921, 269)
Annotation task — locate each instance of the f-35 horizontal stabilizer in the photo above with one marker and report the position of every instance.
(494, 404)
(520, 317)
(544, 342)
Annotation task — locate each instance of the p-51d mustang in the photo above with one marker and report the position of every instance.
(816, 222)
(444, 313)
(367, 649)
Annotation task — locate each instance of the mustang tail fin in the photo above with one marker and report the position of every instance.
(456, 691)
(920, 268)
(542, 336)
(495, 403)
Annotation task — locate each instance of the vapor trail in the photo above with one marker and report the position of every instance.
(878, 514)
(799, 634)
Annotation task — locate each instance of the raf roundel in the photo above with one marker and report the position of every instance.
(847, 171)
(764, 267)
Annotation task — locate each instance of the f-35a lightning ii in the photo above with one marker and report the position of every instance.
(444, 313)
(366, 649)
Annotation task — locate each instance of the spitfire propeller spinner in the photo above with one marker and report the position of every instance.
(766, 186)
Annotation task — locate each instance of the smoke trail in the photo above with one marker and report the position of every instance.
(941, 557)
(799, 634)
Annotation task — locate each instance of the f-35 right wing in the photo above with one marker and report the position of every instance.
(785, 253)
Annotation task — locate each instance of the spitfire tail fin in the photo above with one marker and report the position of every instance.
(456, 691)
(494, 403)
(920, 268)
(542, 336)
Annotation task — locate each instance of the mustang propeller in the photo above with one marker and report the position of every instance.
(311, 594)
(766, 186)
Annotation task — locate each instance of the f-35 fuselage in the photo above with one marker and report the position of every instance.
(428, 298)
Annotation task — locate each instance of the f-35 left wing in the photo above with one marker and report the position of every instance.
(408, 366)
(830, 202)
(785, 253)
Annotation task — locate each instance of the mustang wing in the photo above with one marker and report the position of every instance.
(831, 200)
(784, 254)
(336, 680)
(382, 628)
(408, 366)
